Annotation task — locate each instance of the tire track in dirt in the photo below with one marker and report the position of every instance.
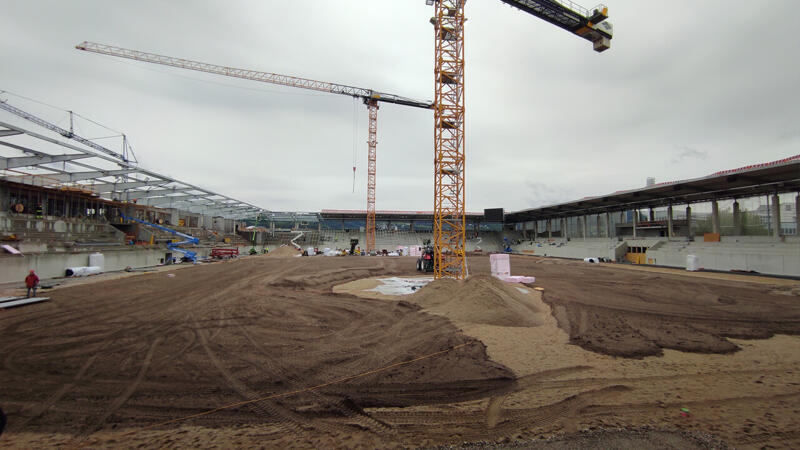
(345, 407)
(266, 408)
(120, 400)
(548, 415)
(593, 382)
(472, 425)
(40, 409)
(275, 368)
(532, 381)
(596, 410)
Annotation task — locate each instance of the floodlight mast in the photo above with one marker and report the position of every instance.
(368, 96)
(449, 217)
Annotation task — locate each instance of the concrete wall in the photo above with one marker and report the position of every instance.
(28, 224)
(574, 248)
(51, 265)
(224, 225)
(774, 258)
(487, 241)
(762, 254)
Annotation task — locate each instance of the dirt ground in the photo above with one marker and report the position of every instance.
(263, 352)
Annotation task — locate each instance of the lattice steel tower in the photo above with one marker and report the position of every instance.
(449, 221)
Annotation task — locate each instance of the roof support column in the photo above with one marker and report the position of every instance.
(715, 217)
(597, 225)
(583, 225)
(652, 214)
(670, 230)
(689, 222)
(549, 228)
(737, 219)
(776, 216)
(635, 220)
(608, 225)
(564, 231)
(797, 213)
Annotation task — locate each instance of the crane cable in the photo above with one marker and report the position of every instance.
(355, 146)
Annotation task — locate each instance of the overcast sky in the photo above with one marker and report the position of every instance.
(688, 88)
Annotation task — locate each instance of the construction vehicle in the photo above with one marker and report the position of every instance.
(368, 96)
(253, 250)
(425, 261)
(173, 246)
(224, 253)
(353, 243)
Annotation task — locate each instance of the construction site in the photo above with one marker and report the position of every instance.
(162, 313)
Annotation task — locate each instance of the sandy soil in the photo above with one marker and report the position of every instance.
(283, 251)
(100, 363)
(634, 314)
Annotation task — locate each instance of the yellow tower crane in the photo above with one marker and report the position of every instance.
(369, 96)
(449, 219)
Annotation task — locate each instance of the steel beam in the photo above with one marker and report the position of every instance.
(157, 201)
(24, 161)
(115, 187)
(156, 193)
(80, 176)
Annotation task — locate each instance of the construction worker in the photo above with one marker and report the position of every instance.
(32, 282)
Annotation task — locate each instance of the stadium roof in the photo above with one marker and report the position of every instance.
(749, 181)
(397, 215)
(58, 158)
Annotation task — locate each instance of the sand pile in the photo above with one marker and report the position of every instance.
(482, 299)
(284, 251)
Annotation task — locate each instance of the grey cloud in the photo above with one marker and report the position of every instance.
(688, 153)
(541, 194)
(548, 120)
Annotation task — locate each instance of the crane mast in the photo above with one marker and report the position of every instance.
(449, 218)
(369, 97)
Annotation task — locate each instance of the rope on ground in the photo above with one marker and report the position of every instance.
(299, 391)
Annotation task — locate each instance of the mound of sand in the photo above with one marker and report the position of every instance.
(481, 299)
(284, 251)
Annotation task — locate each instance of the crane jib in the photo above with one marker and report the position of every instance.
(266, 77)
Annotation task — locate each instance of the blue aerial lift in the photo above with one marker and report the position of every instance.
(174, 246)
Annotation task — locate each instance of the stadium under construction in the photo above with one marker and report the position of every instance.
(54, 215)
(143, 310)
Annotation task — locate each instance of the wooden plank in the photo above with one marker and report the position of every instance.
(24, 301)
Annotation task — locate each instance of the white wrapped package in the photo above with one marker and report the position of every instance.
(500, 264)
(82, 271)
